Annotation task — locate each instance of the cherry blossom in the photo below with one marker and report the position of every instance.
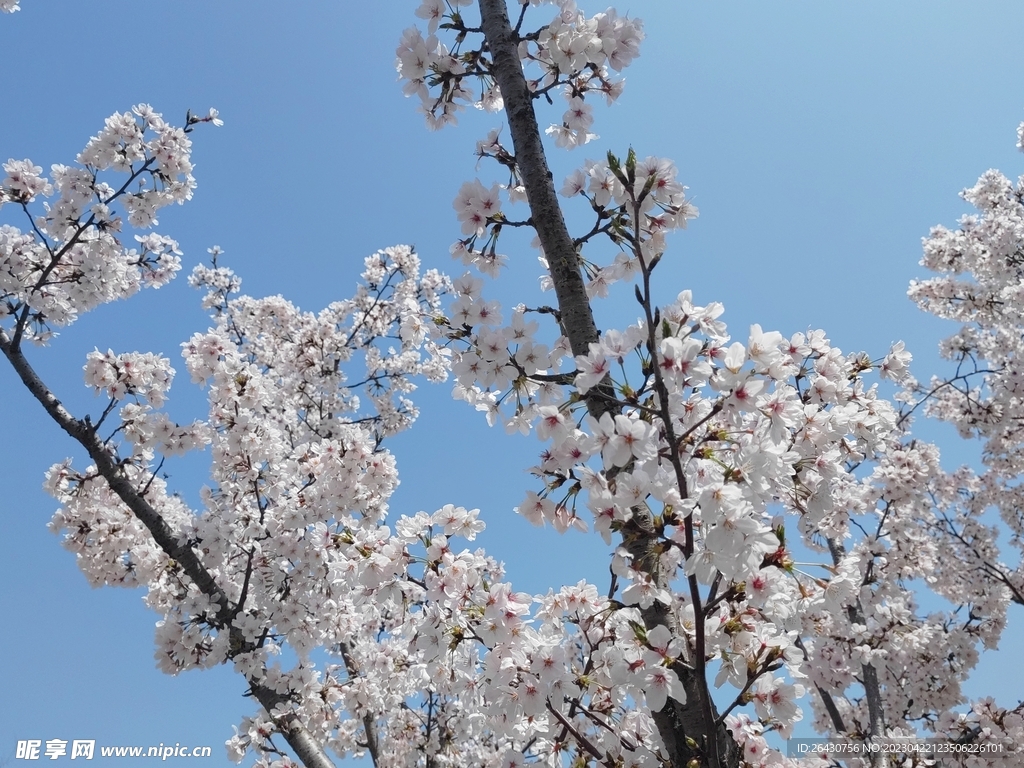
(764, 503)
(714, 437)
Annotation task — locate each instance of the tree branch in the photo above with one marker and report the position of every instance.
(369, 726)
(872, 687)
(295, 732)
(546, 213)
(306, 748)
(676, 722)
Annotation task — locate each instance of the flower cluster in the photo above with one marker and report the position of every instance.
(635, 194)
(712, 434)
(572, 52)
(765, 506)
(72, 258)
(146, 375)
(300, 485)
(715, 452)
(979, 286)
(578, 52)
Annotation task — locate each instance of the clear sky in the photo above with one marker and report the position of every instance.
(820, 141)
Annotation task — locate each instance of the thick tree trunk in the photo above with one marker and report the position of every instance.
(675, 722)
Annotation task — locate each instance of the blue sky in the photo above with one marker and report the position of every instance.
(820, 141)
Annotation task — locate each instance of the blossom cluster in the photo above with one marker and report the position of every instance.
(143, 374)
(764, 504)
(729, 448)
(72, 259)
(292, 524)
(579, 52)
(773, 422)
(572, 52)
(644, 195)
(979, 286)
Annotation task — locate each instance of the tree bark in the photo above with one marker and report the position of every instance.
(676, 721)
(546, 213)
(306, 748)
